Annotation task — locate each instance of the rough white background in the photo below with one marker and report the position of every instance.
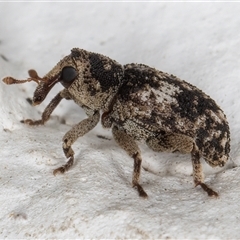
(198, 42)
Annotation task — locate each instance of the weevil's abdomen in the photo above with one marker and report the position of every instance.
(214, 144)
(151, 102)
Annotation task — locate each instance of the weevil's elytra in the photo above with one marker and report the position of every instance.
(139, 103)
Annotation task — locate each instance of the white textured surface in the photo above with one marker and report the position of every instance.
(198, 42)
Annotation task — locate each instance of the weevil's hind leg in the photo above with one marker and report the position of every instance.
(198, 173)
(72, 135)
(177, 142)
(130, 146)
(48, 110)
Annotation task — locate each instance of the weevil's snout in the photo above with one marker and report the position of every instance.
(66, 76)
(39, 94)
(38, 98)
(43, 89)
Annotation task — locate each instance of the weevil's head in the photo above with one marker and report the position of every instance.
(64, 72)
(91, 79)
(98, 81)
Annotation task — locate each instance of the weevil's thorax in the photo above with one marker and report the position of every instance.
(98, 81)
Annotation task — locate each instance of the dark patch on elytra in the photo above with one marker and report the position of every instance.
(192, 103)
(227, 148)
(202, 135)
(108, 78)
(137, 77)
(210, 145)
(224, 133)
(170, 122)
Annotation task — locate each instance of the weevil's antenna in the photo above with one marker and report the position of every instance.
(10, 80)
(33, 77)
(33, 74)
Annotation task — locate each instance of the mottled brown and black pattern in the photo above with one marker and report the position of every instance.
(99, 79)
(139, 103)
(184, 109)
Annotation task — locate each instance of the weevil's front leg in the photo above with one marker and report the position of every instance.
(49, 109)
(130, 146)
(198, 173)
(71, 136)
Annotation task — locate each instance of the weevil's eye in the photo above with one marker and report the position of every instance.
(37, 100)
(68, 74)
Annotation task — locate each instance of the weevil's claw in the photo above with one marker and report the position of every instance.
(65, 167)
(32, 122)
(207, 189)
(59, 170)
(28, 121)
(140, 190)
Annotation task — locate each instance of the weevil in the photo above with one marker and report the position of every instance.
(139, 103)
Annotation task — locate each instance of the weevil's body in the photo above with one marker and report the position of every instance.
(138, 103)
(152, 105)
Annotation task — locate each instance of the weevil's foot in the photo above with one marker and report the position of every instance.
(59, 170)
(141, 192)
(65, 167)
(207, 189)
(32, 122)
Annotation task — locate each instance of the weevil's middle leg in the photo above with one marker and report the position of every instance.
(198, 173)
(72, 135)
(130, 146)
